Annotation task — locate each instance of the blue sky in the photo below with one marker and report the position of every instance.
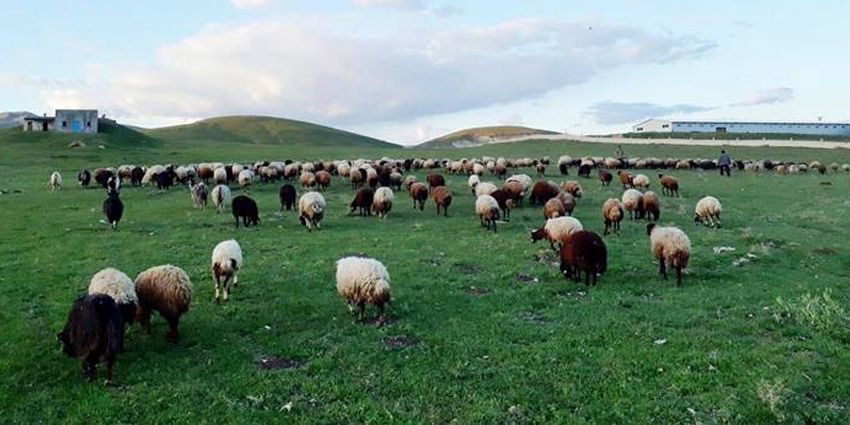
(409, 70)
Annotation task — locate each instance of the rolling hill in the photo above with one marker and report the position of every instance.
(483, 136)
(14, 119)
(265, 131)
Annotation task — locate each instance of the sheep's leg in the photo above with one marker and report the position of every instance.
(381, 317)
(217, 291)
(110, 366)
(678, 276)
(662, 268)
(605, 232)
(89, 368)
(587, 278)
(173, 323)
(145, 319)
(235, 279)
(445, 211)
(362, 311)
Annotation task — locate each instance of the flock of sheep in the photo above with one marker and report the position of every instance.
(95, 328)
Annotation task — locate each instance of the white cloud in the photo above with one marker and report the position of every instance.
(310, 70)
(608, 113)
(250, 4)
(405, 5)
(767, 97)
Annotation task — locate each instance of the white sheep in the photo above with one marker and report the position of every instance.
(220, 175)
(382, 202)
(487, 209)
(485, 188)
(708, 211)
(633, 203)
(226, 263)
(55, 182)
(148, 177)
(473, 181)
(524, 179)
(478, 169)
(641, 181)
(246, 177)
(363, 280)
(311, 208)
(671, 247)
(556, 230)
(221, 197)
(117, 285)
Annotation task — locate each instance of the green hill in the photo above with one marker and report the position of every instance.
(482, 136)
(265, 131)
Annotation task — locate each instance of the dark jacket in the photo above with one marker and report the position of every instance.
(724, 159)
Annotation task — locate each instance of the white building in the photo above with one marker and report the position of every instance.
(809, 128)
(65, 121)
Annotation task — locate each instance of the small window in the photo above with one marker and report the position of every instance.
(640, 129)
(665, 126)
(64, 124)
(88, 124)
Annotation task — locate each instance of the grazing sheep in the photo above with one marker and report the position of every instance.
(102, 175)
(164, 179)
(505, 200)
(633, 203)
(356, 176)
(166, 289)
(640, 181)
(220, 175)
(484, 188)
(307, 179)
(382, 202)
(564, 164)
(419, 194)
(435, 180)
(311, 209)
(625, 179)
(556, 230)
(117, 285)
(363, 280)
(245, 208)
(541, 170)
(605, 177)
(226, 263)
(845, 168)
(572, 187)
(396, 180)
(651, 206)
(523, 179)
(669, 185)
(372, 177)
(113, 209)
(362, 201)
(708, 211)
(553, 208)
(487, 209)
(408, 181)
(287, 195)
(671, 247)
(473, 182)
(612, 215)
(199, 195)
(136, 176)
(516, 191)
(583, 251)
(542, 192)
(55, 182)
(245, 178)
(221, 197)
(500, 170)
(84, 178)
(584, 170)
(442, 198)
(94, 333)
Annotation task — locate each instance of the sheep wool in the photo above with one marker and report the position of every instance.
(488, 210)
(556, 230)
(119, 287)
(166, 289)
(707, 211)
(363, 280)
(671, 247)
(221, 197)
(382, 202)
(485, 188)
(633, 203)
(473, 181)
(226, 263)
(311, 207)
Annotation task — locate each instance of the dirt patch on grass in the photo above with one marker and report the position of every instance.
(477, 292)
(524, 278)
(824, 251)
(534, 317)
(433, 262)
(467, 268)
(277, 363)
(400, 341)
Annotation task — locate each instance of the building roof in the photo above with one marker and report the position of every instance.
(759, 122)
(39, 119)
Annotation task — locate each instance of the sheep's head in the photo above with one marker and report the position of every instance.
(317, 209)
(539, 234)
(649, 228)
(697, 219)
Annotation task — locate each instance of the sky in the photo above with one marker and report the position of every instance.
(410, 70)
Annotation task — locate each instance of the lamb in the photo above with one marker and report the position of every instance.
(94, 333)
(488, 210)
(583, 251)
(572, 187)
(473, 182)
(671, 247)
(651, 206)
(419, 194)
(166, 289)
(708, 211)
(442, 198)
(553, 208)
(245, 208)
(669, 185)
(640, 181)
(485, 188)
(382, 202)
(605, 177)
(542, 192)
(113, 209)
(116, 284)
(541, 170)
(363, 280)
(221, 197)
(199, 195)
(556, 230)
(633, 203)
(287, 195)
(612, 215)
(84, 178)
(307, 179)
(505, 201)
(311, 208)
(226, 263)
(55, 182)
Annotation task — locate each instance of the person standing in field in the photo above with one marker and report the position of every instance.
(724, 162)
(619, 153)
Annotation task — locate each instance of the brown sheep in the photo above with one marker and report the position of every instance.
(505, 201)
(435, 180)
(583, 251)
(625, 179)
(572, 187)
(442, 198)
(500, 170)
(651, 206)
(419, 194)
(542, 192)
(166, 289)
(323, 180)
(612, 214)
(363, 202)
(605, 177)
(308, 179)
(669, 185)
(553, 208)
(515, 190)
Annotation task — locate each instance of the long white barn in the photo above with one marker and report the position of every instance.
(810, 128)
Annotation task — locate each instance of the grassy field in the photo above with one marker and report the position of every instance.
(484, 329)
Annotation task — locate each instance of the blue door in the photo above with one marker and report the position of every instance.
(76, 126)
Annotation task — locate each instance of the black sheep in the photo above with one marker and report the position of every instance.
(165, 179)
(363, 201)
(84, 178)
(584, 171)
(94, 333)
(245, 208)
(287, 196)
(136, 176)
(102, 175)
(113, 209)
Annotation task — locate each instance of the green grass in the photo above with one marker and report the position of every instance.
(735, 136)
(741, 345)
(471, 134)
